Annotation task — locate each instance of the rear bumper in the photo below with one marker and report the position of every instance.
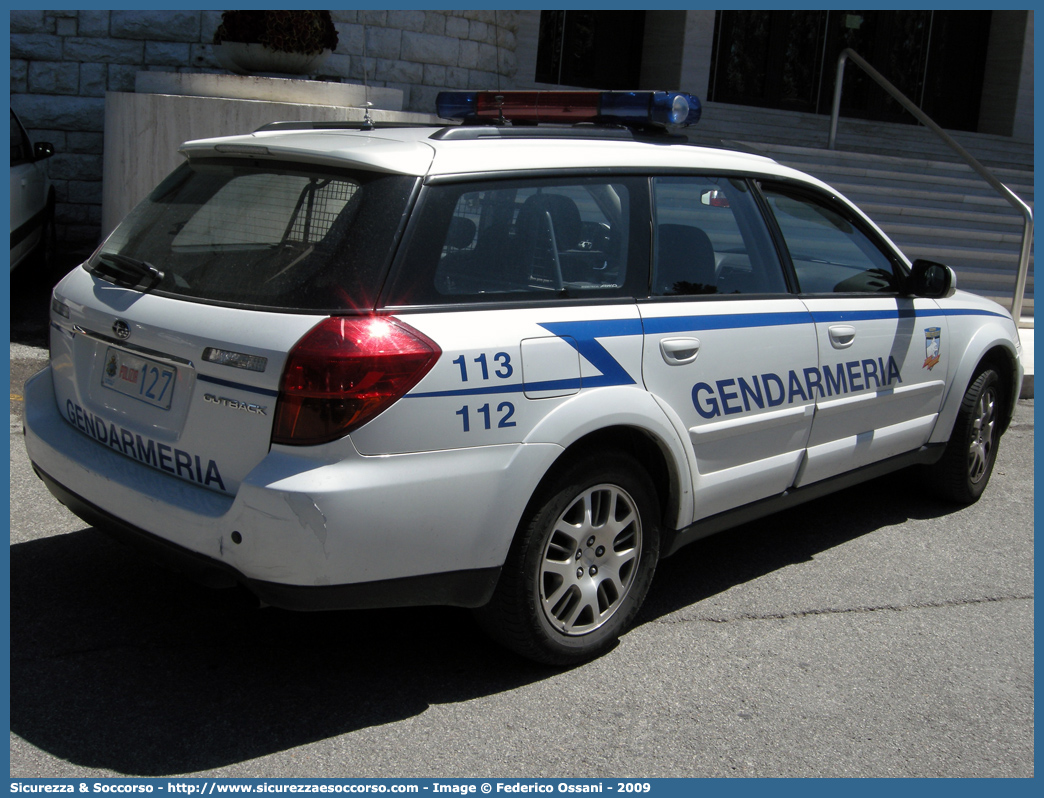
(459, 588)
(300, 532)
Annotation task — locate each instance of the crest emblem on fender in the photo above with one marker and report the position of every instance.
(932, 347)
(121, 329)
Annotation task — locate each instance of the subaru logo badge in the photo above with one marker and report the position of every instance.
(121, 329)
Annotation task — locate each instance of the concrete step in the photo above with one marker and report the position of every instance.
(984, 272)
(969, 236)
(943, 217)
(995, 159)
(855, 169)
(726, 121)
(786, 153)
(980, 237)
(912, 174)
(1005, 237)
(924, 198)
(975, 276)
(947, 252)
(832, 174)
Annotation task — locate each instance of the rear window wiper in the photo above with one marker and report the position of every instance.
(126, 271)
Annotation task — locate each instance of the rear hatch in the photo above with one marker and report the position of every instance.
(170, 343)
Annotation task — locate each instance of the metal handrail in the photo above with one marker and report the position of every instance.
(1009, 195)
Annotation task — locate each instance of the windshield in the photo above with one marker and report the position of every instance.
(260, 235)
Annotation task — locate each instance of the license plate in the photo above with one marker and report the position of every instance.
(139, 377)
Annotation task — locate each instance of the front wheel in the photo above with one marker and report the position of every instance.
(581, 563)
(964, 470)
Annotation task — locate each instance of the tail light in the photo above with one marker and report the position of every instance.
(346, 371)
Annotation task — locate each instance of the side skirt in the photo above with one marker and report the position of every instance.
(706, 527)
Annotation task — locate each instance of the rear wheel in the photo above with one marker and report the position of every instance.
(580, 565)
(964, 470)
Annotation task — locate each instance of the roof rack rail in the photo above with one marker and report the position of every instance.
(335, 125)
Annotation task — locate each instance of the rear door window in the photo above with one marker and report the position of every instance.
(523, 241)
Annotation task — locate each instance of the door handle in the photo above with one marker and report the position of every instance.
(842, 336)
(679, 351)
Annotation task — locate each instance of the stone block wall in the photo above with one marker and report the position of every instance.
(64, 62)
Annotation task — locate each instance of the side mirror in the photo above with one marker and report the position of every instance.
(932, 280)
(42, 149)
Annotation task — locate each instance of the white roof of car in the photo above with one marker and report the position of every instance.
(413, 151)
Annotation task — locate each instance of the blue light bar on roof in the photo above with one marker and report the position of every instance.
(529, 107)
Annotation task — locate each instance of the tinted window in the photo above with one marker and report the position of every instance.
(829, 250)
(268, 210)
(523, 240)
(710, 239)
(265, 236)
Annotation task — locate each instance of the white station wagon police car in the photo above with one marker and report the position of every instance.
(499, 365)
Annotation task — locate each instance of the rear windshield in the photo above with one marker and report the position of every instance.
(261, 235)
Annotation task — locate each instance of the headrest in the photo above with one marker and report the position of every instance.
(564, 216)
(461, 232)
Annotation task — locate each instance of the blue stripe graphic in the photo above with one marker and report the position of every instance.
(732, 321)
(583, 337)
(485, 391)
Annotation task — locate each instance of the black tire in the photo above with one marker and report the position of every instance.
(964, 470)
(581, 562)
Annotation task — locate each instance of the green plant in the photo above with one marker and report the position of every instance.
(306, 32)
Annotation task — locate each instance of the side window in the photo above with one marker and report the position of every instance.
(829, 251)
(711, 239)
(523, 240)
